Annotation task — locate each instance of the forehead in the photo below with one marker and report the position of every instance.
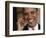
(29, 9)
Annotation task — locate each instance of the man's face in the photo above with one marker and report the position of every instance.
(31, 15)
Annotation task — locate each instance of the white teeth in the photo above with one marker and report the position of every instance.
(31, 20)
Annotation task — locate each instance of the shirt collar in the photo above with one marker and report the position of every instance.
(35, 28)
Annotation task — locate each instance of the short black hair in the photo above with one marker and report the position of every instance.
(34, 8)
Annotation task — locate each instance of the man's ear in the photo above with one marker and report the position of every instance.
(38, 12)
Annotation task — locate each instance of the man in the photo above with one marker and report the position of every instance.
(30, 20)
(17, 13)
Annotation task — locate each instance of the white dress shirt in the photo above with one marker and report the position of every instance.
(35, 28)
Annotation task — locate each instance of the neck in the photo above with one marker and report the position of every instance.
(32, 26)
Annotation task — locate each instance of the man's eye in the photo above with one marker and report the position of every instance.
(32, 12)
(25, 14)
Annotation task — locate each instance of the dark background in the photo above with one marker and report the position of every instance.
(14, 19)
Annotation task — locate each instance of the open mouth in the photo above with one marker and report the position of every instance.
(31, 20)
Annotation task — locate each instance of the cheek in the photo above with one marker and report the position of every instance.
(26, 17)
(34, 15)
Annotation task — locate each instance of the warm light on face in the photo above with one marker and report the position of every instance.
(31, 15)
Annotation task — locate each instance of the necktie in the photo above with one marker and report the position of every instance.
(32, 28)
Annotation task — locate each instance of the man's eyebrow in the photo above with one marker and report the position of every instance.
(36, 9)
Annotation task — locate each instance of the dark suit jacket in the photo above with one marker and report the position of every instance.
(26, 27)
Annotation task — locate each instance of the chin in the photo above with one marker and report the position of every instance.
(31, 25)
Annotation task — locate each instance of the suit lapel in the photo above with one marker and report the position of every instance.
(26, 27)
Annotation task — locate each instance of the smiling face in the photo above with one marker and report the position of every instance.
(31, 14)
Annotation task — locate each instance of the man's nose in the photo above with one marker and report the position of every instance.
(29, 16)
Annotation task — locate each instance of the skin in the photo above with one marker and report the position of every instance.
(20, 23)
(30, 15)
